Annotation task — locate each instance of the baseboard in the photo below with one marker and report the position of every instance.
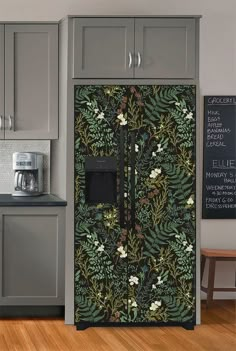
(32, 311)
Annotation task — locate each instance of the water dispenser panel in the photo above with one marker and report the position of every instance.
(100, 180)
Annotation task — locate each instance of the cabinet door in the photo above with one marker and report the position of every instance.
(31, 81)
(103, 47)
(2, 120)
(32, 256)
(166, 48)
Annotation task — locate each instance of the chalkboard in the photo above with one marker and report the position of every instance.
(219, 171)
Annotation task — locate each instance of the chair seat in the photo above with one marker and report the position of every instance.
(218, 253)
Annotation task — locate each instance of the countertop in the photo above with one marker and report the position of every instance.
(41, 200)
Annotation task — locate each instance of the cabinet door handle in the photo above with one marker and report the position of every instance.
(10, 122)
(1, 124)
(130, 60)
(139, 59)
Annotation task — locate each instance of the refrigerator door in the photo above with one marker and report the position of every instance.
(161, 241)
(101, 289)
(135, 255)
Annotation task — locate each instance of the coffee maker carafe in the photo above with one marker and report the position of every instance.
(28, 173)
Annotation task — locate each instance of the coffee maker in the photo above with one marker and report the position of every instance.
(28, 173)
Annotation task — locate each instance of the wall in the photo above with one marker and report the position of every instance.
(217, 66)
(7, 147)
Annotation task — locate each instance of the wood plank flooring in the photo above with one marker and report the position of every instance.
(217, 333)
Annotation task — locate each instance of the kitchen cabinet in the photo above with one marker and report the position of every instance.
(30, 92)
(32, 256)
(134, 48)
(103, 47)
(165, 48)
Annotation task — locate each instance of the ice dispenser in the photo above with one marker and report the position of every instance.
(100, 180)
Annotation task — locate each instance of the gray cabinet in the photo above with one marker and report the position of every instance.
(2, 120)
(32, 256)
(103, 47)
(162, 48)
(165, 48)
(31, 81)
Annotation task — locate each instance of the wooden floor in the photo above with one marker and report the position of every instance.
(217, 333)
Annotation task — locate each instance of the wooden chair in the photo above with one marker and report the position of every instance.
(213, 256)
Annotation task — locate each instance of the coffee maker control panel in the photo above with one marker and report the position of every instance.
(26, 160)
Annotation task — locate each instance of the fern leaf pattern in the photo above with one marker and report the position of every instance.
(144, 274)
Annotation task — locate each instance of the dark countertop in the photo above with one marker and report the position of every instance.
(41, 200)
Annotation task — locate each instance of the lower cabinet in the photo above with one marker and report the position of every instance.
(32, 255)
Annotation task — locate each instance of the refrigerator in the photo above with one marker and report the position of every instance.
(134, 198)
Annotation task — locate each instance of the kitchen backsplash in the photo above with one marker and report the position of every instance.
(8, 147)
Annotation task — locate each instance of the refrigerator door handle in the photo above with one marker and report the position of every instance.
(122, 178)
(132, 179)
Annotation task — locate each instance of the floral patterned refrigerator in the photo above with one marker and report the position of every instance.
(134, 205)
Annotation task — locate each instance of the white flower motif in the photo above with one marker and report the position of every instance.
(122, 252)
(185, 110)
(121, 116)
(89, 236)
(133, 280)
(129, 168)
(177, 103)
(123, 122)
(134, 304)
(135, 172)
(101, 115)
(155, 305)
(125, 194)
(159, 281)
(154, 154)
(129, 301)
(154, 286)
(189, 248)
(120, 249)
(99, 294)
(177, 236)
(122, 119)
(96, 243)
(136, 148)
(189, 115)
(184, 243)
(96, 110)
(160, 149)
(190, 201)
(155, 173)
(88, 103)
(101, 248)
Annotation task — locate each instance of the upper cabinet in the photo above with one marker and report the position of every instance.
(160, 48)
(29, 97)
(165, 48)
(103, 47)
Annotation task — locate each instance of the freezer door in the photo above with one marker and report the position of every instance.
(101, 290)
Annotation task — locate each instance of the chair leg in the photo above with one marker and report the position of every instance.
(211, 280)
(203, 261)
